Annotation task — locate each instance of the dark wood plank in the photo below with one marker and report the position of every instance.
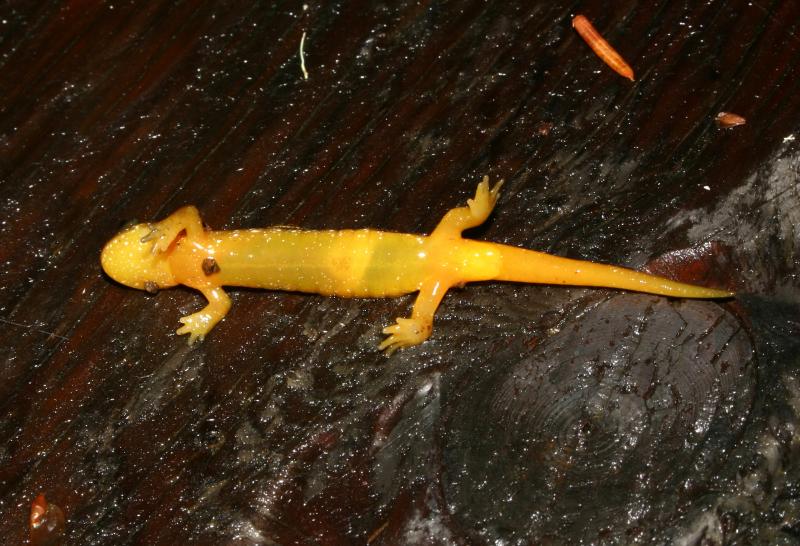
(664, 419)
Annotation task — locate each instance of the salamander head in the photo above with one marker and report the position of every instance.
(129, 259)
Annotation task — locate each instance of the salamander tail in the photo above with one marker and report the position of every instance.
(529, 266)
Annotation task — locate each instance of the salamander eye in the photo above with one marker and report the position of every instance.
(150, 287)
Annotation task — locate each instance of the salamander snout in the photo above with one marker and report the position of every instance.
(131, 259)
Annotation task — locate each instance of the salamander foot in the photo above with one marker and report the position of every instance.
(406, 332)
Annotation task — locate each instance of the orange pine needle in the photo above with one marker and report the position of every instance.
(729, 119)
(601, 47)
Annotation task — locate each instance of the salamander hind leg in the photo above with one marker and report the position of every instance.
(164, 232)
(481, 206)
(474, 214)
(407, 332)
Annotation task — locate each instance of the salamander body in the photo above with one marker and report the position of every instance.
(350, 263)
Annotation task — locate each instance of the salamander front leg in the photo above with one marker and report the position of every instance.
(198, 324)
(164, 232)
(474, 214)
(407, 332)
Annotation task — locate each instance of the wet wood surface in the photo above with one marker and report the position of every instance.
(534, 413)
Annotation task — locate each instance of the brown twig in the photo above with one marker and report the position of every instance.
(601, 47)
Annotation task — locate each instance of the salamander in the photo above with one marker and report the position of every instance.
(351, 263)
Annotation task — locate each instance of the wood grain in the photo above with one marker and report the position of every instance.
(286, 424)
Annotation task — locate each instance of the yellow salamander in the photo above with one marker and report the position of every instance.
(350, 263)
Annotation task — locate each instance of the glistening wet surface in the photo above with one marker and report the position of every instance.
(534, 414)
